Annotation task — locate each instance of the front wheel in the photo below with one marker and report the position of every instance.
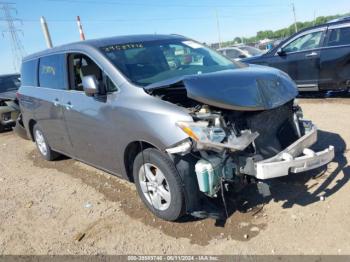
(42, 145)
(159, 184)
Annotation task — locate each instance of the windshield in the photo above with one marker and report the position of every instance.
(9, 83)
(251, 50)
(146, 63)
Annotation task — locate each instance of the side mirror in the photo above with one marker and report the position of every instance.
(281, 52)
(90, 85)
(242, 56)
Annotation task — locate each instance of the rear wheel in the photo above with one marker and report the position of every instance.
(42, 145)
(159, 184)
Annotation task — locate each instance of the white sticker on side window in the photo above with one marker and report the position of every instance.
(192, 44)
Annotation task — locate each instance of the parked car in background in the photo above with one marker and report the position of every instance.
(240, 52)
(9, 109)
(317, 58)
(173, 116)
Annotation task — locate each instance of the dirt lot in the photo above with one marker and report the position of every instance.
(66, 207)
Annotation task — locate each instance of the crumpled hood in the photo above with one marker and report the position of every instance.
(246, 89)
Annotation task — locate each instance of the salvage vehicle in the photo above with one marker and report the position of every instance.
(316, 58)
(9, 109)
(163, 111)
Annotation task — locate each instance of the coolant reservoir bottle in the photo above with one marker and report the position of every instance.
(202, 169)
(208, 175)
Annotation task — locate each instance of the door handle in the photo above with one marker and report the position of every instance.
(312, 54)
(68, 106)
(56, 102)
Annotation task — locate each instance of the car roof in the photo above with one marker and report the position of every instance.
(228, 48)
(337, 21)
(101, 42)
(340, 19)
(10, 75)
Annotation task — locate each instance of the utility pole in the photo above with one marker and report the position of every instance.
(46, 32)
(16, 44)
(80, 27)
(218, 27)
(314, 17)
(295, 18)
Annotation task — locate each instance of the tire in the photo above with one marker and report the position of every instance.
(2, 128)
(43, 147)
(166, 199)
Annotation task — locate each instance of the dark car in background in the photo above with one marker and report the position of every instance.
(317, 58)
(173, 116)
(9, 109)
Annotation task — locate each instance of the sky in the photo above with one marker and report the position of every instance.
(193, 18)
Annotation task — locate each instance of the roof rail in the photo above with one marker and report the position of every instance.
(344, 18)
(177, 35)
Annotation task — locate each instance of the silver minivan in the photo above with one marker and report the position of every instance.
(163, 111)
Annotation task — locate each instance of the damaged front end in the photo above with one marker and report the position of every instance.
(233, 139)
(264, 145)
(9, 111)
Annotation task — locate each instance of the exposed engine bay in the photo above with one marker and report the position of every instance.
(230, 143)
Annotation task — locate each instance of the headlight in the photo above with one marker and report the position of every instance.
(200, 132)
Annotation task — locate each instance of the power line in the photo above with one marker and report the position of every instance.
(16, 44)
(131, 20)
(162, 4)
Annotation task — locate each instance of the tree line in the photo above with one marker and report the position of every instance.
(282, 33)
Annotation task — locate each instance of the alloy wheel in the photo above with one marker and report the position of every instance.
(154, 186)
(40, 141)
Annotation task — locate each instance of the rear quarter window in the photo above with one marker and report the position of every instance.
(29, 73)
(51, 72)
(232, 53)
(339, 36)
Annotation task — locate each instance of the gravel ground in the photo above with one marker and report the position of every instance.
(66, 207)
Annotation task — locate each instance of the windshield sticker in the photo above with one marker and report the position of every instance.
(112, 48)
(192, 44)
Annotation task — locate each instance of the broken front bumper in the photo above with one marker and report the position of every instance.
(8, 115)
(295, 159)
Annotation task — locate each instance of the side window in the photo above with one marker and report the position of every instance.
(110, 86)
(29, 73)
(221, 52)
(339, 36)
(232, 53)
(305, 42)
(81, 65)
(51, 72)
